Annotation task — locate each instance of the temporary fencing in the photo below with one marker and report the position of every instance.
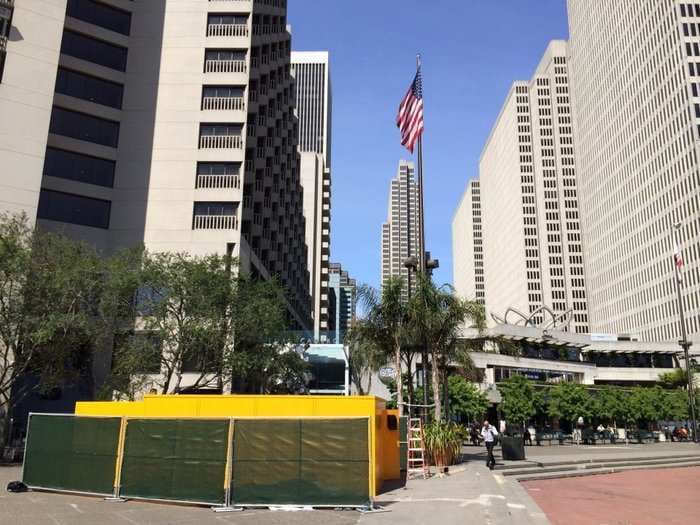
(302, 461)
(244, 462)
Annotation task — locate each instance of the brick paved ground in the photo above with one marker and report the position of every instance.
(642, 497)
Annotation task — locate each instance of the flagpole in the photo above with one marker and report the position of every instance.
(422, 263)
(685, 344)
(421, 247)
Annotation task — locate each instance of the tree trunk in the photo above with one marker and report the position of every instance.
(410, 388)
(5, 427)
(437, 394)
(399, 378)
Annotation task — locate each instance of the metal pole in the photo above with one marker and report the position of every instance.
(422, 267)
(685, 344)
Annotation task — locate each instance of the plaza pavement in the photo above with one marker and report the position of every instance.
(470, 494)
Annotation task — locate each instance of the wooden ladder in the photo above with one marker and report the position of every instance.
(416, 465)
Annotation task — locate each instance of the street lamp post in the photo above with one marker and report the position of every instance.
(684, 343)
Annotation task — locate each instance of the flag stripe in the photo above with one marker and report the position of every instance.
(410, 117)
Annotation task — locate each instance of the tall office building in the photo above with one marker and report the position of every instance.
(532, 254)
(311, 71)
(635, 69)
(467, 245)
(164, 123)
(401, 231)
(342, 303)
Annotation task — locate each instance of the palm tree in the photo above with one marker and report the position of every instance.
(383, 327)
(436, 318)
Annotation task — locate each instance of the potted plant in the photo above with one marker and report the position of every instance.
(443, 443)
(518, 406)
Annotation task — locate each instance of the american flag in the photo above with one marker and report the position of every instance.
(410, 118)
(678, 257)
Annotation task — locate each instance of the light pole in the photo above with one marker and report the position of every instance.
(685, 344)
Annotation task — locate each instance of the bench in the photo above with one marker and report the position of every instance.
(549, 437)
(592, 437)
(643, 436)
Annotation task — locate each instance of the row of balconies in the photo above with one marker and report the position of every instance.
(220, 142)
(215, 222)
(223, 103)
(227, 30)
(225, 66)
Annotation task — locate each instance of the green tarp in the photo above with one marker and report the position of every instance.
(71, 453)
(300, 462)
(181, 460)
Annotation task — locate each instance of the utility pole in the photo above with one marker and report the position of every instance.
(685, 344)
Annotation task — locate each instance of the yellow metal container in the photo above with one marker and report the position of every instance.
(384, 442)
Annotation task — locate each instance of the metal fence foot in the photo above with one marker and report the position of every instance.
(112, 499)
(372, 509)
(227, 509)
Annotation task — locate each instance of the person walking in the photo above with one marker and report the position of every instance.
(489, 433)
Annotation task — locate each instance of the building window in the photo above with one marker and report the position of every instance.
(100, 15)
(82, 168)
(93, 50)
(86, 87)
(84, 127)
(73, 209)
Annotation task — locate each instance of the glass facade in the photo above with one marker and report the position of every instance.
(74, 166)
(215, 208)
(73, 209)
(86, 87)
(100, 15)
(84, 127)
(328, 364)
(93, 50)
(218, 168)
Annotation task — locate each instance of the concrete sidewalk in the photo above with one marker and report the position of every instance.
(471, 493)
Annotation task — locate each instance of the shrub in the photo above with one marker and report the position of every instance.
(443, 442)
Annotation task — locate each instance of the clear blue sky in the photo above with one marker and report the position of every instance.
(472, 52)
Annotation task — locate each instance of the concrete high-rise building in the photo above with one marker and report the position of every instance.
(311, 71)
(343, 302)
(401, 231)
(467, 245)
(164, 123)
(532, 255)
(635, 71)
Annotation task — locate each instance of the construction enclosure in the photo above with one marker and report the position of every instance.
(219, 450)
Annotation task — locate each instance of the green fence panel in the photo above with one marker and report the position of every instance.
(179, 460)
(301, 462)
(71, 453)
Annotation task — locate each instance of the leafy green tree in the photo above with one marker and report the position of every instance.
(569, 401)
(258, 354)
(198, 316)
(519, 400)
(436, 319)
(384, 325)
(364, 357)
(466, 400)
(610, 404)
(49, 324)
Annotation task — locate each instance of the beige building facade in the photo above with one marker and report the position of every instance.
(311, 72)
(635, 69)
(467, 245)
(532, 252)
(169, 124)
(401, 232)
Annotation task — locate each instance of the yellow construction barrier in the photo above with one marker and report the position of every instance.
(383, 423)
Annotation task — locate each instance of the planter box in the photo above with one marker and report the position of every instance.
(512, 448)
